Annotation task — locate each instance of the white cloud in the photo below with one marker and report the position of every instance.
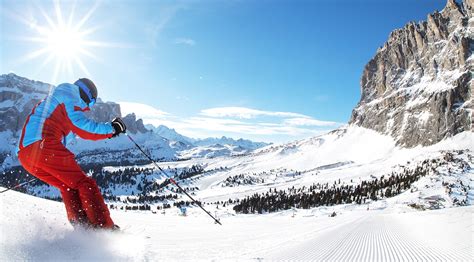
(221, 121)
(245, 113)
(306, 121)
(248, 128)
(142, 110)
(185, 41)
(215, 124)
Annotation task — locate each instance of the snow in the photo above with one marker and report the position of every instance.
(424, 116)
(388, 237)
(6, 103)
(187, 147)
(444, 81)
(148, 140)
(7, 148)
(36, 229)
(23, 89)
(170, 134)
(6, 136)
(419, 89)
(211, 151)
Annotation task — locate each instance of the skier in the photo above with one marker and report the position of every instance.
(42, 150)
(183, 210)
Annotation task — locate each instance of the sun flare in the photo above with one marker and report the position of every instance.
(63, 42)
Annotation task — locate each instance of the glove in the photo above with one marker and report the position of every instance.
(119, 126)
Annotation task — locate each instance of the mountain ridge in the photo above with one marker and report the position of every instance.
(173, 135)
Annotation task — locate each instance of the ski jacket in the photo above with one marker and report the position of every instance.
(59, 114)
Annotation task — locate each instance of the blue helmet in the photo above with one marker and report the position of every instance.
(88, 90)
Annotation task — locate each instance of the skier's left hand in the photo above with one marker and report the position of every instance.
(119, 126)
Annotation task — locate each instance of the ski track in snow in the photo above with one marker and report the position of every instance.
(395, 237)
(36, 229)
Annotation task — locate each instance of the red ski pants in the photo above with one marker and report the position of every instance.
(52, 163)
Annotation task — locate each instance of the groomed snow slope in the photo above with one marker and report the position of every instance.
(36, 229)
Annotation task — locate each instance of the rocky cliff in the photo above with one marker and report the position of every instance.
(105, 112)
(18, 96)
(418, 86)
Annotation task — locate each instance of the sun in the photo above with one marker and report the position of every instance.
(63, 42)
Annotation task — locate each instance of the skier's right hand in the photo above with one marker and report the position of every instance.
(119, 126)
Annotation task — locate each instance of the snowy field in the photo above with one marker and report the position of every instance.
(389, 229)
(37, 229)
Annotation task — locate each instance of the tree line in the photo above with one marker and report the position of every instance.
(335, 194)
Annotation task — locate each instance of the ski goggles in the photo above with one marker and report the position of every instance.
(87, 91)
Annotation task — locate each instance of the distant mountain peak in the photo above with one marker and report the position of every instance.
(172, 135)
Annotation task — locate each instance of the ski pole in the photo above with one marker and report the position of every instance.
(172, 180)
(18, 185)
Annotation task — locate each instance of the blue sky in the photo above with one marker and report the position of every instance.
(264, 70)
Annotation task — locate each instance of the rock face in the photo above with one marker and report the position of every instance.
(418, 86)
(18, 96)
(104, 112)
(134, 125)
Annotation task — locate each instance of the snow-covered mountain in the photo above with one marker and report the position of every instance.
(207, 147)
(418, 86)
(242, 143)
(214, 150)
(171, 134)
